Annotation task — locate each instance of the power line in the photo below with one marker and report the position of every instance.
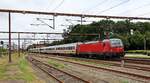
(144, 14)
(100, 3)
(51, 3)
(136, 8)
(58, 5)
(114, 6)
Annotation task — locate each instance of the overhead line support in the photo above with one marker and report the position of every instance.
(9, 22)
(71, 14)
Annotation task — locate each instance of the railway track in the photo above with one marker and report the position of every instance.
(144, 61)
(57, 74)
(112, 63)
(137, 61)
(147, 78)
(118, 64)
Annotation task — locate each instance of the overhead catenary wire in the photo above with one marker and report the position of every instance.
(58, 5)
(50, 4)
(114, 6)
(136, 8)
(91, 8)
(144, 14)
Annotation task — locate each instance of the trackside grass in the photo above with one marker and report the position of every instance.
(144, 52)
(56, 64)
(26, 74)
(18, 71)
(128, 55)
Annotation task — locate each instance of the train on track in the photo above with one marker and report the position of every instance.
(108, 48)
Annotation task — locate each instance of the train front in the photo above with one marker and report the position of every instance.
(117, 48)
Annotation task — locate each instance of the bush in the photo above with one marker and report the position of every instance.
(139, 51)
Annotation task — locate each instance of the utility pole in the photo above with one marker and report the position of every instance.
(144, 43)
(47, 38)
(99, 37)
(81, 19)
(54, 21)
(9, 21)
(18, 44)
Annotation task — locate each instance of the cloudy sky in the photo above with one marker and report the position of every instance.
(22, 22)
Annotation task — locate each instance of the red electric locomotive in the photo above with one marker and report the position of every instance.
(105, 48)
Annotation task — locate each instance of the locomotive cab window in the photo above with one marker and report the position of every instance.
(116, 43)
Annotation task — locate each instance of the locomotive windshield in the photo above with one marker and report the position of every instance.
(116, 43)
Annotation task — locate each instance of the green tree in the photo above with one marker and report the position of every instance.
(136, 40)
(118, 29)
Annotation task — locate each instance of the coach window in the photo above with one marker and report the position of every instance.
(72, 48)
(68, 48)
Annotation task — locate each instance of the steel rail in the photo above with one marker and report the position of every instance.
(107, 69)
(60, 71)
(131, 66)
(138, 61)
(44, 70)
(118, 64)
